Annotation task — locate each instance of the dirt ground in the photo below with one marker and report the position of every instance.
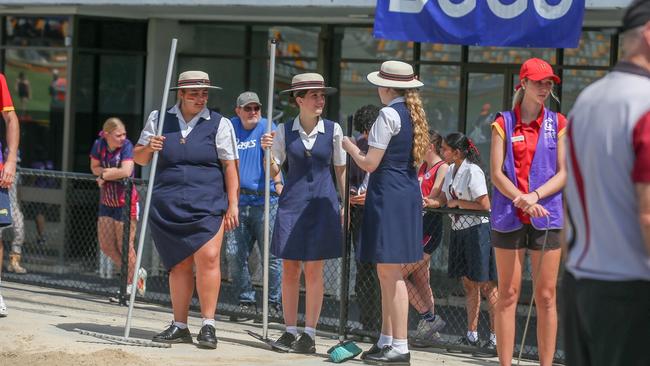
(40, 331)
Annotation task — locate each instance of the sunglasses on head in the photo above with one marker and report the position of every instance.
(249, 108)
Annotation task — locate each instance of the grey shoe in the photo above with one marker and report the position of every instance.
(427, 329)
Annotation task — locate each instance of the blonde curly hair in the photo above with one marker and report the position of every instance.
(421, 138)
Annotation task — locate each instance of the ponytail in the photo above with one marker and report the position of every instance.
(421, 139)
(458, 141)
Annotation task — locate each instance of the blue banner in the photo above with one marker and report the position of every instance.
(512, 23)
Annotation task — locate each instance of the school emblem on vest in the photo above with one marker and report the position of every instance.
(549, 130)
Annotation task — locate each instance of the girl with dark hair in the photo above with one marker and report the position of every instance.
(471, 257)
(528, 171)
(416, 275)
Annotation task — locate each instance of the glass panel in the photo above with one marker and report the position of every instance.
(360, 43)
(259, 83)
(213, 39)
(112, 34)
(38, 80)
(509, 55)
(225, 73)
(593, 49)
(574, 81)
(440, 96)
(355, 90)
(484, 99)
(439, 52)
(299, 42)
(37, 31)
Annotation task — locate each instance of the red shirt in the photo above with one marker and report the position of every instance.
(524, 151)
(641, 146)
(428, 178)
(5, 98)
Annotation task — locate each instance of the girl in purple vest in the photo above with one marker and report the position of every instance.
(111, 160)
(194, 199)
(391, 235)
(308, 222)
(528, 172)
(471, 257)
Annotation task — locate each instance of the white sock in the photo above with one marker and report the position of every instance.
(472, 335)
(311, 332)
(493, 338)
(209, 322)
(292, 329)
(384, 340)
(401, 345)
(180, 324)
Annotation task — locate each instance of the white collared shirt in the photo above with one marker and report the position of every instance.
(387, 125)
(468, 184)
(308, 140)
(225, 141)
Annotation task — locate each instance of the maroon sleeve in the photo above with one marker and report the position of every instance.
(641, 146)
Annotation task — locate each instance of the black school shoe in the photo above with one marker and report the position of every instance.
(304, 344)
(372, 351)
(388, 356)
(173, 334)
(464, 342)
(207, 337)
(284, 342)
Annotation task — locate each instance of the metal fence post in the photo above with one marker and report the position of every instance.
(126, 233)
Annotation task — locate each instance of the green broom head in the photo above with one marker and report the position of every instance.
(344, 351)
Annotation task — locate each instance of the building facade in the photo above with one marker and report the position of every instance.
(72, 64)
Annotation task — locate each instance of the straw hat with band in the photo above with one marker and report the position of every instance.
(396, 75)
(309, 81)
(193, 80)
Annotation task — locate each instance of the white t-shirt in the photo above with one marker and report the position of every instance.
(308, 140)
(387, 125)
(468, 184)
(225, 141)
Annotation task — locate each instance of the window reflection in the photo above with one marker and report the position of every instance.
(440, 95)
(38, 79)
(574, 81)
(360, 43)
(593, 50)
(37, 31)
(439, 52)
(512, 55)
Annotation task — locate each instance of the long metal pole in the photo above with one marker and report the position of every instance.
(267, 193)
(346, 244)
(152, 175)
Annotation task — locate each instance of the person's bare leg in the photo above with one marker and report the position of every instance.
(208, 274)
(181, 288)
(314, 292)
(472, 302)
(509, 266)
(290, 291)
(394, 288)
(545, 302)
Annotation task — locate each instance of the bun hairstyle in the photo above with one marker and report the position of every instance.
(458, 141)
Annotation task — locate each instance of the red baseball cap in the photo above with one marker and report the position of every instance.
(537, 69)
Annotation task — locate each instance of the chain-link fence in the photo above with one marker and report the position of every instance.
(59, 240)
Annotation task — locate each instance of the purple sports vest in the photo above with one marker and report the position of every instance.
(544, 166)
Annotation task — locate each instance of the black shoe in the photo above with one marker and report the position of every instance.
(373, 350)
(284, 342)
(207, 337)
(173, 334)
(304, 344)
(465, 343)
(488, 349)
(388, 355)
(247, 311)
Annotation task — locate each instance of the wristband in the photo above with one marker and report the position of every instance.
(538, 196)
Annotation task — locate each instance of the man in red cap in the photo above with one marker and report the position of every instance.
(606, 286)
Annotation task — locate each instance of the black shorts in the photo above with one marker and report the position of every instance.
(470, 254)
(432, 235)
(527, 237)
(605, 322)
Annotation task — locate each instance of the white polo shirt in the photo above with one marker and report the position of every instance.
(308, 140)
(225, 140)
(387, 125)
(468, 184)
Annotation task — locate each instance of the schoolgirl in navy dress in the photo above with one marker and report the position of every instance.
(111, 160)
(308, 225)
(528, 171)
(471, 257)
(194, 199)
(391, 235)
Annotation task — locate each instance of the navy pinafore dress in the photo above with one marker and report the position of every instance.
(308, 221)
(188, 198)
(392, 217)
